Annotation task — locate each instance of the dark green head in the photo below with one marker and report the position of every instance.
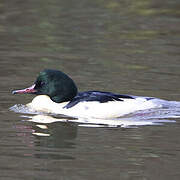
(57, 85)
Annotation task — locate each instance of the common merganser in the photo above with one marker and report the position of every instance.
(58, 94)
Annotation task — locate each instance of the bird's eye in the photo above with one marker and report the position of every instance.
(39, 84)
(42, 83)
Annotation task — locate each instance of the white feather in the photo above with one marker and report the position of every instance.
(92, 109)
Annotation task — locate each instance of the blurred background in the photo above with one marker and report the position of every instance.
(123, 46)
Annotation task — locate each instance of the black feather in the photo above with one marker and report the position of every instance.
(99, 96)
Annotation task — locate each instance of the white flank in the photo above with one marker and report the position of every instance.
(92, 109)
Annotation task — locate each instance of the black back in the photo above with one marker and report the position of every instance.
(99, 96)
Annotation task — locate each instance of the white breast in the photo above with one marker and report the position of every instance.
(92, 109)
(43, 103)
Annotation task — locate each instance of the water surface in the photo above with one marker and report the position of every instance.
(128, 47)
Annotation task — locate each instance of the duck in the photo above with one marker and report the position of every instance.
(57, 93)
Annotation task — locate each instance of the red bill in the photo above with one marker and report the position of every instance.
(29, 90)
